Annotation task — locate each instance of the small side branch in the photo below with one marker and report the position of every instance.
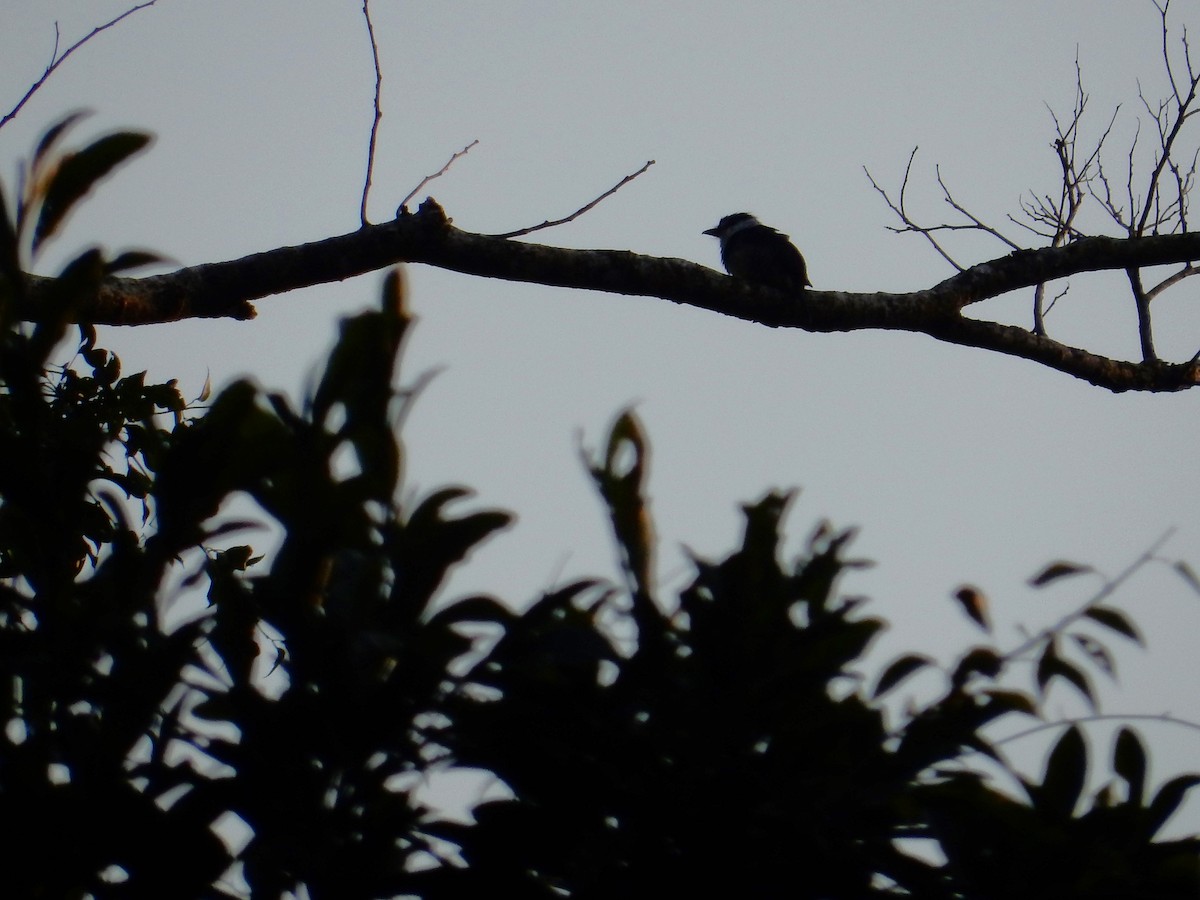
(579, 212)
(1171, 280)
(57, 60)
(362, 209)
(1170, 121)
(438, 174)
(910, 225)
(975, 222)
(901, 211)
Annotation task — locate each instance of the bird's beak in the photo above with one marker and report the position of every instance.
(712, 231)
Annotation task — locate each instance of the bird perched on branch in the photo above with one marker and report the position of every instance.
(755, 252)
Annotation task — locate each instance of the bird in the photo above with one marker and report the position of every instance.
(756, 252)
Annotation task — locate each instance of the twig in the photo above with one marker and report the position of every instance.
(440, 172)
(56, 60)
(1165, 718)
(579, 212)
(1168, 135)
(900, 208)
(1055, 298)
(909, 224)
(362, 209)
(1116, 213)
(1076, 186)
(1171, 280)
(976, 222)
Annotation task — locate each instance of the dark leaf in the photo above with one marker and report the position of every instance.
(983, 660)
(166, 396)
(1168, 798)
(898, 671)
(1051, 666)
(435, 543)
(78, 173)
(974, 604)
(1066, 770)
(1072, 674)
(132, 259)
(1096, 652)
(620, 479)
(54, 133)
(1009, 701)
(1057, 570)
(10, 260)
(1129, 761)
(1114, 619)
(473, 609)
(1188, 574)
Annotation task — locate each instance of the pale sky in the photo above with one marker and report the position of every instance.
(958, 465)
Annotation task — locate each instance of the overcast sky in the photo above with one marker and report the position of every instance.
(959, 465)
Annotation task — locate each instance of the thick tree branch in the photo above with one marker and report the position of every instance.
(226, 289)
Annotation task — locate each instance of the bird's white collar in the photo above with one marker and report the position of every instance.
(742, 226)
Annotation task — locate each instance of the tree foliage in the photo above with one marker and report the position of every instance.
(164, 684)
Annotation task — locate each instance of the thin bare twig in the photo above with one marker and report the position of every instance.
(1171, 280)
(362, 208)
(1164, 718)
(1115, 212)
(1053, 300)
(56, 60)
(438, 174)
(1076, 185)
(1168, 130)
(902, 213)
(579, 212)
(976, 222)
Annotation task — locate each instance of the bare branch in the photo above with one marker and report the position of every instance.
(1142, 305)
(438, 174)
(579, 212)
(1059, 216)
(1168, 132)
(1170, 281)
(56, 60)
(362, 209)
(1133, 200)
(902, 213)
(976, 222)
(1166, 31)
(1106, 201)
(1053, 300)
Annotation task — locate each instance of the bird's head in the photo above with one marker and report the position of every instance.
(732, 224)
